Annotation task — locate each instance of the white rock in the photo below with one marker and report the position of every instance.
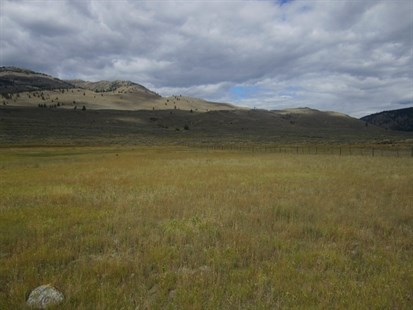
(44, 296)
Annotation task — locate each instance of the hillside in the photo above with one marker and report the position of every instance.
(39, 108)
(25, 88)
(15, 80)
(121, 87)
(23, 125)
(401, 119)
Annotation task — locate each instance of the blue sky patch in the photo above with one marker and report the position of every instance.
(282, 2)
(243, 92)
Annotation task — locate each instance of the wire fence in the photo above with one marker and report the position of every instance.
(316, 150)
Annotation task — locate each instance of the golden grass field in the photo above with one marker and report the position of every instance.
(181, 228)
(118, 100)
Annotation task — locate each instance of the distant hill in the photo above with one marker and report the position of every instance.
(26, 88)
(36, 106)
(15, 80)
(401, 119)
(121, 87)
(57, 125)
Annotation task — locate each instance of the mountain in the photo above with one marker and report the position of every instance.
(39, 107)
(121, 87)
(401, 119)
(26, 88)
(15, 80)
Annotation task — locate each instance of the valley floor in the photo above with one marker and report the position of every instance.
(191, 228)
(44, 126)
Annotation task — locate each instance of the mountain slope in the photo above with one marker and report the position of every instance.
(114, 86)
(401, 119)
(39, 125)
(25, 88)
(15, 80)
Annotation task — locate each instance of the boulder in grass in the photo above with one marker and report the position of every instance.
(44, 296)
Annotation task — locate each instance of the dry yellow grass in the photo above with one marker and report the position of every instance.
(120, 99)
(173, 227)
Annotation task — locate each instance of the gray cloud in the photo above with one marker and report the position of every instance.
(407, 101)
(350, 56)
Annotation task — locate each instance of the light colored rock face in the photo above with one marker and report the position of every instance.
(44, 296)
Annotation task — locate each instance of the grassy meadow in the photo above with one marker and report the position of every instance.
(180, 228)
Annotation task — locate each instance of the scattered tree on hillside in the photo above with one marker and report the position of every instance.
(6, 96)
(84, 108)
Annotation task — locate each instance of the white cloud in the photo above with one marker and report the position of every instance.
(349, 56)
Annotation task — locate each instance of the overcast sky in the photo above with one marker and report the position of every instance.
(354, 56)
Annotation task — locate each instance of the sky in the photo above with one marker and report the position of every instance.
(354, 57)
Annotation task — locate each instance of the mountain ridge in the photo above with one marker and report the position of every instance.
(16, 80)
(26, 88)
(110, 86)
(400, 119)
(23, 87)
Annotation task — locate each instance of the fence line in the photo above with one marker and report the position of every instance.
(313, 150)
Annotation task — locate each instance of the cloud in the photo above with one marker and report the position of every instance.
(350, 56)
(406, 101)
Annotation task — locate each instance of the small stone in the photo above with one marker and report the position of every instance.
(44, 296)
(204, 268)
(172, 294)
(153, 290)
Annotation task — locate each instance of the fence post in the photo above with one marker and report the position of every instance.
(340, 151)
